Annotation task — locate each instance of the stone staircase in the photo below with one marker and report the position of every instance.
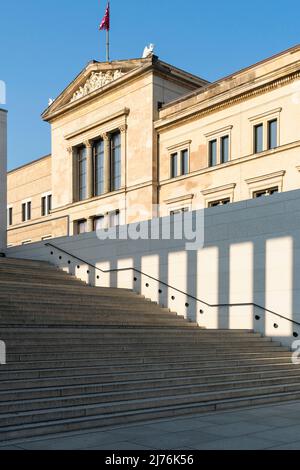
(80, 357)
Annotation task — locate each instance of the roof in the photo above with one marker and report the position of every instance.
(29, 163)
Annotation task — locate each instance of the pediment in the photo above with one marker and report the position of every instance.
(96, 81)
(95, 77)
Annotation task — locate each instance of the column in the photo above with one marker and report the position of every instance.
(123, 132)
(89, 170)
(74, 186)
(106, 140)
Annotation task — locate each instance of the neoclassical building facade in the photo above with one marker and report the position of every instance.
(136, 139)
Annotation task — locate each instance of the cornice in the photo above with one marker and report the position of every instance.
(257, 179)
(226, 187)
(122, 112)
(186, 197)
(225, 100)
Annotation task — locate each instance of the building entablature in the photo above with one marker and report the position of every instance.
(231, 90)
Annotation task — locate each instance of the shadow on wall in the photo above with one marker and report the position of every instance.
(251, 255)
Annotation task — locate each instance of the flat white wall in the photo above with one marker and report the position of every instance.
(3, 173)
(251, 254)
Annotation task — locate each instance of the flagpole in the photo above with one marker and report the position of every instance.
(107, 45)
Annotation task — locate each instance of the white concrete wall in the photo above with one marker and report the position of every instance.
(251, 254)
(3, 184)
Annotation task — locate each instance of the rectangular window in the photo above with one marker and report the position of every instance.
(265, 192)
(98, 223)
(98, 152)
(81, 227)
(47, 237)
(9, 216)
(258, 138)
(225, 149)
(184, 162)
(43, 206)
(272, 134)
(26, 211)
(115, 162)
(174, 165)
(46, 205)
(213, 152)
(179, 211)
(220, 202)
(23, 212)
(49, 199)
(114, 219)
(82, 173)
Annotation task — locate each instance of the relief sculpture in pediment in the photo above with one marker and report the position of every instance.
(95, 82)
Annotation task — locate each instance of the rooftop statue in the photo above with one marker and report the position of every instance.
(148, 51)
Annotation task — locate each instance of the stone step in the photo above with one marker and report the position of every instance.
(30, 332)
(145, 357)
(16, 298)
(69, 307)
(96, 394)
(22, 263)
(29, 379)
(90, 366)
(88, 408)
(75, 286)
(90, 342)
(99, 351)
(88, 386)
(81, 357)
(29, 270)
(92, 422)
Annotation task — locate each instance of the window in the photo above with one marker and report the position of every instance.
(81, 227)
(220, 202)
(272, 134)
(115, 162)
(184, 154)
(46, 204)
(225, 149)
(98, 223)
(266, 130)
(258, 138)
(179, 156)
(26, 211)
(9, 216)
(82, 173)
(47, 237)
(218, 146)
(265, 192)
(213, 152)
(179, 211)
(114, 218)
(174, 169)
(98, 168)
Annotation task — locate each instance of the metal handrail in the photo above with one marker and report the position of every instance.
(248, 304)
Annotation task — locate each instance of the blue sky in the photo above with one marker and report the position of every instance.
(45, 44)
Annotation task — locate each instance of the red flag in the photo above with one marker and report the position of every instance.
(105, 23)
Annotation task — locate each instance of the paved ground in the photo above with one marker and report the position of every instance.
(267, 427)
